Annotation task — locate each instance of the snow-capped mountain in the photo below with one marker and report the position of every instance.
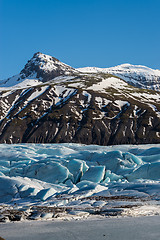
(51, 102)
(40, 68)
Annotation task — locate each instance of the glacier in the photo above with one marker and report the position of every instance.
(73, 178)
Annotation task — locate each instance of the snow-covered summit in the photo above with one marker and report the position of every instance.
(46, 67)
(136, 75)
(41, 68)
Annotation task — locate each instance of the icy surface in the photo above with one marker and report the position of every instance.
(80, 177)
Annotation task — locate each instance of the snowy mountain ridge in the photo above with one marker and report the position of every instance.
(42, 68)
(136, 75)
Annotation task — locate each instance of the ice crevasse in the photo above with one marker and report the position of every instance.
(40, 172)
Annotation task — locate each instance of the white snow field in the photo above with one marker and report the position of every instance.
(74, 181)
(141, 228)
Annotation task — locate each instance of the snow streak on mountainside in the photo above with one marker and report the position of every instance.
(52, 102)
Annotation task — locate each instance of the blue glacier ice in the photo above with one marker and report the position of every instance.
(45, 193)
(46, 172)
(77, 168)
(94, 174)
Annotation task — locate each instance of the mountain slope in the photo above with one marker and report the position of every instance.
(72, 106)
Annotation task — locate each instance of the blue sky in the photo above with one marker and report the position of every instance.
(100, 33)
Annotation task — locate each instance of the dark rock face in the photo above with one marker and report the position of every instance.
(75, 116)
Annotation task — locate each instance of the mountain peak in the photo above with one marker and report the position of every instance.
(41, 67)
(43, 57)
(46, 67)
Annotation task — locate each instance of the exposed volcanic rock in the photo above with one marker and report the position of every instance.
(76, 116)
